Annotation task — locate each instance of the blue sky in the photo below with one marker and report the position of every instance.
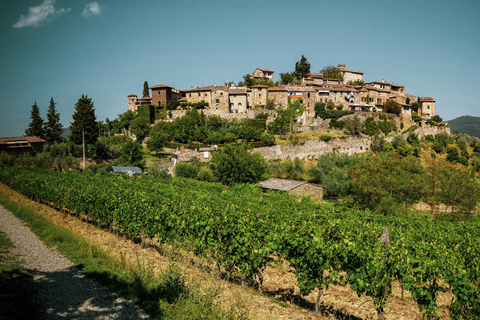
(107, 49)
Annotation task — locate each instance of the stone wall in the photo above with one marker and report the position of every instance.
(316, 192)
(315, 148)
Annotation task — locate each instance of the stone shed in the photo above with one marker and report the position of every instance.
(294, 187)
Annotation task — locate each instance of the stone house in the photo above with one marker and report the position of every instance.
(349, 75)
(427, 107)
(301, 188)
(315, 88)
(263, 74)
(22, 145)
(279, 96)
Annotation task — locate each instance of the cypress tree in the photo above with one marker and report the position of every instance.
(302, 68)
(146, 90)
(84, 119)
(35, 128)
(53, 128)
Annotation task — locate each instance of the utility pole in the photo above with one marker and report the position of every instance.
(83, 143)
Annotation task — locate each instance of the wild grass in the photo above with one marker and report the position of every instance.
(164, 295)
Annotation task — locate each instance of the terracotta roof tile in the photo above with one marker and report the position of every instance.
(28, 138)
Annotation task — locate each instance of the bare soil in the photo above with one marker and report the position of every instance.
(279, 298)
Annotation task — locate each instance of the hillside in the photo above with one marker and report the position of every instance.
(467, 125)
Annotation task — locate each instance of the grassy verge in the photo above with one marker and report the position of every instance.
(17, 294)
(164, 296)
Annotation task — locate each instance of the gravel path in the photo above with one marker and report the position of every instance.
(63, 291)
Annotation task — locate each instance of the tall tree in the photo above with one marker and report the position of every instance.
(332, 72)
(302, 68)
(35, 128)
(84, 119)
(53, 128)
(146, 90)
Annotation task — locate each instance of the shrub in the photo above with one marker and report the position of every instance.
(205, 174)
(186, 170)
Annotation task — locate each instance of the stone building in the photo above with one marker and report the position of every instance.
(263, 74)
(427, 107)
(349, 75)
(301, 188)
(314, 88)
(21, 145)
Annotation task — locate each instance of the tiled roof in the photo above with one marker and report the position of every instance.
(19, 139)
(237, 91)
(132, 95)
(160, 86)
(426, 99)
(260, 86)
(315, 75)
(281, 184)
(206, 88)
(274, 89)
(265, 70)
(351, 71)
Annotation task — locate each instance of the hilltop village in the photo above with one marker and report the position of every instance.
(351, 94)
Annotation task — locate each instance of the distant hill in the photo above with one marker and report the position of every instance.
(466, 124)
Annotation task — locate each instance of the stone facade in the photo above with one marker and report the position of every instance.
(349, 75)
(263, 74)
(427, 107)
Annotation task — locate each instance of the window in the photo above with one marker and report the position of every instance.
(199, 94)
(217, 101)
(259, 94)
(308, 95)
(428, 107)
(189, 95)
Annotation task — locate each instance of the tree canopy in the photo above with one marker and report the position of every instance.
(236, 164)
(84, 119)
(35, 128)
(146, 90)
(53, 128)
(332, 72)
(302, 68)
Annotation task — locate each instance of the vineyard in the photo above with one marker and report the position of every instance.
(243, 229)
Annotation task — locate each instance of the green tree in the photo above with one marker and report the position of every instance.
(157, 141)
(392, 106)
(287, 77)
(84, 119)
(35, 127)
(302, 68)
(146, 90)
(353, 126)
(132, 155)
(140, 127)
(53, 128)
(237, 164)
(332, 72)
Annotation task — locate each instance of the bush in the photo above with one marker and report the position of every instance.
(159, 171)
(6, 159)
(186, 170)
(205, 174)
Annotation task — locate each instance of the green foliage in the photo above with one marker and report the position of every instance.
(146, 90)
(302, 68)
(267, 138)
(140, 127)
(146, 111)
(415, 106)
(324, 114)
(286, 118)
(35, 127)
(158, 171)
(157, 141)
(416, 117)
(413, 139)
(240, 228)
(353, 126)
(287, 78)
(52, 127)
(132, 155)
(84, 120)
(331, 172)
(237, 164)
(332, 72)
(391, 106)
(378, 143)
(334, 123)
(186, 170)
(99, 151)
(205, 174)
(6, 159)
(371, 127)
(289, 169)
(453, 154)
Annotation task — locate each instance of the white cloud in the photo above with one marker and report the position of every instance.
(39, 15)
(91, 9)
